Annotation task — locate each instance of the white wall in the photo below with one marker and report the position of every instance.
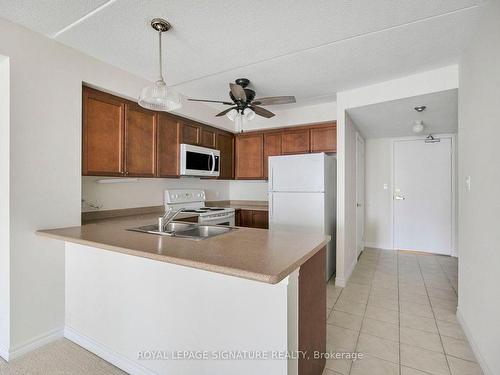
(46, 79)
(146, 192)
(378, 201)
(479, 219)
(294, 116)
(4, 206)
(248, 190)
(418, 84)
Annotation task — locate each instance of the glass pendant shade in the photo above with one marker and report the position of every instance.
(159, 97)
(232, 114)
(238, 123)
(249, 114)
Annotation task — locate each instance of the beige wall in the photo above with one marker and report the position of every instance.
(479, 208)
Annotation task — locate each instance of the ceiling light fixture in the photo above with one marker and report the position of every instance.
(420, 108)
(159, 97)
(418, 127)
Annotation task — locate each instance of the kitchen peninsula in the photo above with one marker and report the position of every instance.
(248, 290)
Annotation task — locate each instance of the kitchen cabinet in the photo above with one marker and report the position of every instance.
(167, 156)
(225, 144)
(140, 141)
(252, 218)
(190, 133)
(208, 137)
(103, 126)
(249, 156)
(296, 141)
(260, 219)
(324, 138)
(272, 147)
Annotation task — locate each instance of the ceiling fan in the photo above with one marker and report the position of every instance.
(244, 102)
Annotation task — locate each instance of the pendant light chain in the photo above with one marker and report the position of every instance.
(160, 56)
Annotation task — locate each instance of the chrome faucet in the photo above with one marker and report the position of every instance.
(165, 219)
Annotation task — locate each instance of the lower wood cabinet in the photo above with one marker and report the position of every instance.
(252, 218)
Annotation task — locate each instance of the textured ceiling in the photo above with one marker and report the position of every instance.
(396, 118)
(311, 49)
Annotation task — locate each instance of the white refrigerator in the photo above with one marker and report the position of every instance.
(302, 197)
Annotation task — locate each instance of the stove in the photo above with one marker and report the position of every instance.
(193, 201)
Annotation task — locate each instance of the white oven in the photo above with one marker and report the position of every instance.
(199, 161)
(223, 218)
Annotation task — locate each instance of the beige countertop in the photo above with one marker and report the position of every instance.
(242, 205)
(255, 254)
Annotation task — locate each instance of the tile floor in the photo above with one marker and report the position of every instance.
(398, 308)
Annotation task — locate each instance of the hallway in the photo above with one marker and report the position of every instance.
(399, 310)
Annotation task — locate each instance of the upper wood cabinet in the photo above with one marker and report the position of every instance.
(296, 141)
(140, 141)
(324, 138)
(103, 126)
(249, 156)
(190, 133)
(168, 146)
(208, 137)
(272, 147)
(225, 144)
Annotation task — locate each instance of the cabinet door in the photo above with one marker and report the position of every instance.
(207, 137)
(168, 146)
(190, 133)
(225, 143)
(324, 139)
(260, 219)
(296, 141)
(272, 147)
(140, 142)
(249, 156)
(103, 134)
(246, 218)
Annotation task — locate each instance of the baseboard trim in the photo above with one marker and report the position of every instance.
(35, 343)
(4, 353)
(123, 363)
(475, 349)
(342, 281)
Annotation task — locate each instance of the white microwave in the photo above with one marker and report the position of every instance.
(199, 161)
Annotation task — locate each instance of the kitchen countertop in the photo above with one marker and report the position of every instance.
(255, 254)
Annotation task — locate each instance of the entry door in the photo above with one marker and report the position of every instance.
(360, 194)
(423, 196)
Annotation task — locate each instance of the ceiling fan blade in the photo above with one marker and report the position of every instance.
(262, 112)
(211, 101)
(238, 92)
(273, 100)
(225, 111)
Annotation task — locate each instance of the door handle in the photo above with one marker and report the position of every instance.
(213, 162)
(399, 198)
(358, 204)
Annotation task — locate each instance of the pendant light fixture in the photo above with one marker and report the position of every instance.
(159, 97)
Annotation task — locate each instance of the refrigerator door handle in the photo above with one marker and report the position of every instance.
(271, 207)
(271, 177)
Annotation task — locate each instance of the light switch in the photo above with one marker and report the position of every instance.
(386, 186)
(467, 183)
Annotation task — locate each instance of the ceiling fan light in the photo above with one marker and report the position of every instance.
(248, 114)
(159, 97)
(231, 115)
(238, 123)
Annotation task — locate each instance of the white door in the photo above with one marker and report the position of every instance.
(360, 194)
(299, 173)
(423, 196)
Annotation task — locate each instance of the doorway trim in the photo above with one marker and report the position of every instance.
(360, 139)
(454, 183)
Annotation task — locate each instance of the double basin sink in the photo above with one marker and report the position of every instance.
(185, 230)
